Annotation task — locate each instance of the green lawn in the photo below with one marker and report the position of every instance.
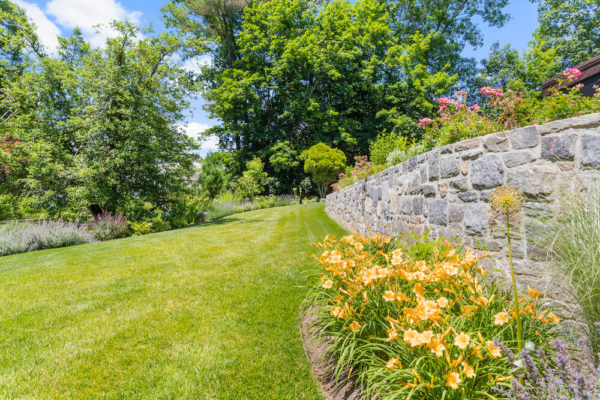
(209, 312)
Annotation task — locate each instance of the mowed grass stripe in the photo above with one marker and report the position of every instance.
(208, 312)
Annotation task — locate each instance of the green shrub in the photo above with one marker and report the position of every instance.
(384, 144)
(7, 207)
(137, 209)
(402, 154)
(184, 210)
(140, 228)
(158, 223)
(418, 320)
(253, 180)
(560, 104)
(212, 177)
(389, 146)
(247, 188)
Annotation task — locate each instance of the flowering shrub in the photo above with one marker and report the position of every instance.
(457, 122)
(504, 107)
(506, 110)
(418, 320)
(107, 226)
(7, 147)
(554, 373)
(23, 237)
(572, 74)
(563, 102)
(363, 168)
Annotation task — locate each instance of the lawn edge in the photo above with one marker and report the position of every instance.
(322, 366)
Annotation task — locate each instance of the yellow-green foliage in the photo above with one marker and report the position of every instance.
(324, 164)
(140, 228)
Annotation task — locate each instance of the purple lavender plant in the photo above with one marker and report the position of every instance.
(553, 372)
(23, 237)
(107, 226)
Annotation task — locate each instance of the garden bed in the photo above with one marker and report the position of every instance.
(323, 365)
(419, 320)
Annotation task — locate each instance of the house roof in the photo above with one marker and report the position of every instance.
(589, 68)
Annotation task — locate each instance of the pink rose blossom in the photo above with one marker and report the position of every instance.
(572, 74)
(475, 107)
(424, 122)
(445, 102)
(491, 92)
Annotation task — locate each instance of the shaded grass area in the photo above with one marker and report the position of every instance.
(208, 312)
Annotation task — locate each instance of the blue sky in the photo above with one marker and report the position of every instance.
(55, 17)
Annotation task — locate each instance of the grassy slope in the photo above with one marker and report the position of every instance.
(201, 313)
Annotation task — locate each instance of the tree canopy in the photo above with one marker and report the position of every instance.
(308, 71)
(98, 126)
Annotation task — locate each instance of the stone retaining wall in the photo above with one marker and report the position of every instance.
(446, 190)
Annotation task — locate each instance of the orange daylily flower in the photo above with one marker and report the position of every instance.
(533, 293)
(494, 350)
(389, 296)
(354, 326)
(394, 363)
(453, 380)
(462, 340)
(553, 318)
(468, 370)
(501, 318)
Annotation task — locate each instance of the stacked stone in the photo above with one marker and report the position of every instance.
(446, 190)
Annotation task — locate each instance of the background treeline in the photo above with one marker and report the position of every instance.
(85, 130)
(339, 72)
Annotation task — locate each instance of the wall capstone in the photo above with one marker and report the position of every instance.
(446, 191)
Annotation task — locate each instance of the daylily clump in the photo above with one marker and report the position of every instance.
(420, 318)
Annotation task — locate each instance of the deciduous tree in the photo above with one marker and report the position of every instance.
(100, 125)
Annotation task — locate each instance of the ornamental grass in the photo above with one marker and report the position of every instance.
(419, 320)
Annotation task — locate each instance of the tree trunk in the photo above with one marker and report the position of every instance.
(323, 190)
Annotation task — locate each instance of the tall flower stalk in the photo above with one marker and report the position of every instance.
(508, 200)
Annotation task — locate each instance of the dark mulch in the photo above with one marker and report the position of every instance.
(322, 365)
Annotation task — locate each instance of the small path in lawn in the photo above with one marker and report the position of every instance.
(209, 312)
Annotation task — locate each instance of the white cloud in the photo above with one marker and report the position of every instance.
(47, 31)
(194, 130)
(87, 14)
(210, 145)
(195, 64)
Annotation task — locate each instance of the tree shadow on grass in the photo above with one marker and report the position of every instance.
(227, 220)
